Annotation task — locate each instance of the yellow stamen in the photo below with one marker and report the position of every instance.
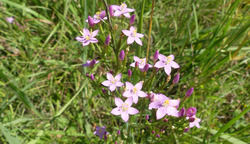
(134, 90)
(134, 33)
(166, 103)
(87, 38)
(82, 33)
(100, 130)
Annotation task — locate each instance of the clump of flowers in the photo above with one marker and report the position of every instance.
(139, 87)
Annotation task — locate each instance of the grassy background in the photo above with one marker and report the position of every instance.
(45, 96)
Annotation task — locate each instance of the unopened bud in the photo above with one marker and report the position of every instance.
(92, 77)
(189, 92)
(111, 71)
(147, 117)
(136, 64)
(165, 120)
(87, 75)
(122, 55)
(132, 19)
(119, 132)
(92, 63)
(156, 55)
(191, 111)
(103, 90)
(146, 67)
(186, 129)
(158, 135)
(191, 119)
(107, 40)
(182, 112)
(129, 72)
(153, 132)
(176, 79)
(91, 21)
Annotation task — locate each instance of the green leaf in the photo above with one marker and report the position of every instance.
(11, 139)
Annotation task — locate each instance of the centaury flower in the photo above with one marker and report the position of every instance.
(87, 37)
(124, 108)
(100, 131)
(133, 36)
(113, 82)
(90, 63)
(98, 17)
(122, 10)
(194, 121)
(134, 91)
(165, 106)
(141, 62)
(167, 63)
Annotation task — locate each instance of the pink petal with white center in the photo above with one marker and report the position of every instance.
(115, 7)
(161, 112)
(85, 43)
(138, 86)
(159, 64)
(141, 66)
(125, 116)
(172, 111)
(130, 40)
(127, 94)
(155, 105)
(135, 99)
(191, 124)
(142, 94)
(139, 35)
(136, 59)
(126, 15)
(172, 57)
(117, 13)
(130, 10)
(174, 103)
(129, 101)
(85, 31)
(94, 33)
(96, 21)
(106, 83)
(129, 86)
(137, 40)
(132, 111)
(93, 40)
(162, 57)
(80, 38)
(133, 64)
(118, 77)
(174, 64)
(116, 111)
(118, 102)
(112, 87)
(110, 76)
(167, 69)
(126, 32)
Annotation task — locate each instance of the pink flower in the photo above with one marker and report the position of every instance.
(113, 82)
(167, 63)
(165, 106)
(155, 98)
(134, 91)
(98, 17)
(10, 19)
(87, 37)
(122, 10)
(133, 36)
(100, 131)
(141, 62)
(90, 63)
(194, 122)
(124, 108)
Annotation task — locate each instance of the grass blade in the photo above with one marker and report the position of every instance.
(11, 139)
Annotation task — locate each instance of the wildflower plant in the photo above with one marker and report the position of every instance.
(137, 90)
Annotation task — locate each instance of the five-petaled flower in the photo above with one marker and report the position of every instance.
(134, 91)
(113, 82)
(141, 62)
(90, 63)
(165, 106)
(100, 131)
(167, 63)
(98, 17)
(87, 37)
(195, 121)
(124, 108)
(133, 36)
(122, 10)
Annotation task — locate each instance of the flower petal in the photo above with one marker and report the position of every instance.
(138, 86)
(174, 103)
(167, 69)
(85, 31)
(155, 105)
(191, 124)
(131, 29)
(80, 38)
(126, 15)
(118, 102)
(130, 40)
(129, 86)
(130, 10)
(85, 43)
(159, 64)
(132, 111)
(135, 99)
(112, 87)
(106, 83)
(127, 94)
(161, 112)
(137, 59)
(94, 33)
(119, 84)
(117, 13)
(174, 64)
(116, 111)
(172, 111)
(126, 32)
(142, 94)
(115, 7)
(125, 116)
(110, 76)
(133, 64)
(129, 101)
(139, 35)
(137, 40)
(118, 77)
(93, 40)
(162, 57)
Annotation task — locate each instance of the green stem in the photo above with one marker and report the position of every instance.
(150, 28)
(138, 49)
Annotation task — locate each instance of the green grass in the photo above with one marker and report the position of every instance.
(45, 96)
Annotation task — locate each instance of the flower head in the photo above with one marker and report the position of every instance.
(164, 106)
(195, 121)
(100, 131)
(10, 19)
(122, 10)
(167, 63)
(133, 36)
(90, 63)
(113, 82)
(91, 21)
(124, 108)
(141, 62)
(87, 37)
(134, 91)
(98, 17)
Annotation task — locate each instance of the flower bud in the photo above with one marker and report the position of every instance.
(92, 63)
(153, 132)
(147, 117)
(176, 79)
(158, 135)
(102, 14)
(92, 77)
(189, 92)
(122, 55)
(87, 75)
(132, 19)
(111, 11)
(107, 40)
(91, 21)
(103, 90)
(182, 112)
(156, 55)
(165, 120)
(136, 64)
(119, 132)
(186, 129)
(129, 72)
(116, 142)
(191, 111)
(146, 67)
(191, 119)
(111, 71)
